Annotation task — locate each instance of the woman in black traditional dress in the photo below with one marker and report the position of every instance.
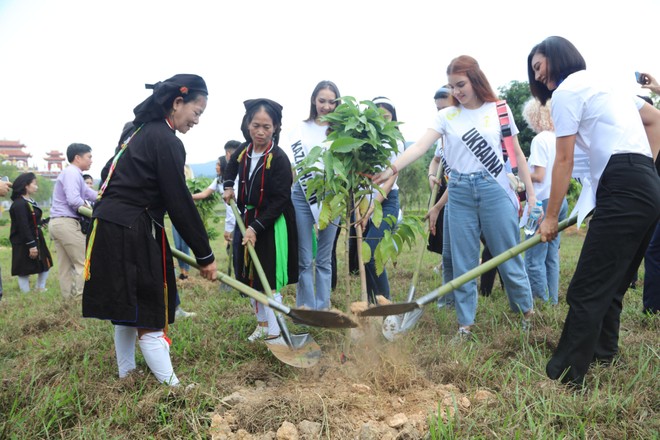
(129, 270)
(264, 178)
(29, 253)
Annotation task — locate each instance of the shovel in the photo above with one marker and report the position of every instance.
(314, 318)
(399, 308)
(299, 350)
(393, 325)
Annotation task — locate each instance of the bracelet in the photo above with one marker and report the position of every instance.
(431, 175)
(394, 170)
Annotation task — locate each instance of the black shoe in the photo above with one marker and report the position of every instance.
(183, 277)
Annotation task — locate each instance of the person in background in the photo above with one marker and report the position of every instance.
(216, 186)
(651, 292)
(29, 252)
(620, 134)
(69, 194)
(635, 278)
(5, 186)
(129, 271)
(379, 284)
(542, 260)
(315, 271)
(85, 222)
(264, 179)
(481, 200)
(438, 240)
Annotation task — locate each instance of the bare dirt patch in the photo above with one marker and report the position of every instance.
(378, 393)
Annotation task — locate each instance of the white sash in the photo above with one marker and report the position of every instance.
(299, 153)
(485, 154)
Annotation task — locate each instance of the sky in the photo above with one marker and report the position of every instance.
(73, 70)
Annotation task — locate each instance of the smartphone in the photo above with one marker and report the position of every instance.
(641, 79)
(5, 178)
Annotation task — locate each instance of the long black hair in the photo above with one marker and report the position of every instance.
(19, 187)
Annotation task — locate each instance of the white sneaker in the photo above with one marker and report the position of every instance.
(180, 313)
(259, 333)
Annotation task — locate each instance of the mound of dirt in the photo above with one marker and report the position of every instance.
(378, 393)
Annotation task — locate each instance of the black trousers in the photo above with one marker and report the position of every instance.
(627, 208)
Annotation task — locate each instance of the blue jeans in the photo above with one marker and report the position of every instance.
(180, 245)
(447, 267)
(378, 284)
(314, 280)
(479, 205)
(542, 263)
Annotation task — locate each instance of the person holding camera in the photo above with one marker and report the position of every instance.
(651, 292)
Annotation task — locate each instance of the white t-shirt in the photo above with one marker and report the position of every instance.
(605, 121)
(451, 122)
(542, 154)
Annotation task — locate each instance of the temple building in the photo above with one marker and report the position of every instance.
(12, 152)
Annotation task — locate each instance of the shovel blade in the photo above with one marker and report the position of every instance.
(322, 318)
(392, 327)
(410, 319)
(389, 309)
(304, 352)
(395, 325)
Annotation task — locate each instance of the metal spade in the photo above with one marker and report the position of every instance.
(399, 308)
(301, 351)
(396, 324)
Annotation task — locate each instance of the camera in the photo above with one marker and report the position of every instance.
(640, 78)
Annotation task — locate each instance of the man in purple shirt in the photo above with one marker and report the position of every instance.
(69, 194)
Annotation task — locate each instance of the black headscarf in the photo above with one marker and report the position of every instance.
(272, 108)
(164, 93)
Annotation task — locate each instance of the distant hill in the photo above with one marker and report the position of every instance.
(203, 169)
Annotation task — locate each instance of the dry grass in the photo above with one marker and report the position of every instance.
(58, 374)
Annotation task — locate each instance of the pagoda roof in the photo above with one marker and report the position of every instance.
(4, 144)
(13, 153)
(54, 154)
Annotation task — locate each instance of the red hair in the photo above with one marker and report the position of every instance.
(469, 67)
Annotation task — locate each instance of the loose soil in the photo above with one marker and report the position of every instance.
(377, 393)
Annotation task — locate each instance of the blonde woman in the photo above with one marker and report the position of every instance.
(542, 261)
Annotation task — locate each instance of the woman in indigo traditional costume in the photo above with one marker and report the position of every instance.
(29, 253)
(129, 270)
(264, 178)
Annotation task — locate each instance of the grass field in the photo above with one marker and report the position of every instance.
(59, 380)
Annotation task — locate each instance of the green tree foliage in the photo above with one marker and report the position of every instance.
(359, 145)
(207, 206)
(516, 95)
